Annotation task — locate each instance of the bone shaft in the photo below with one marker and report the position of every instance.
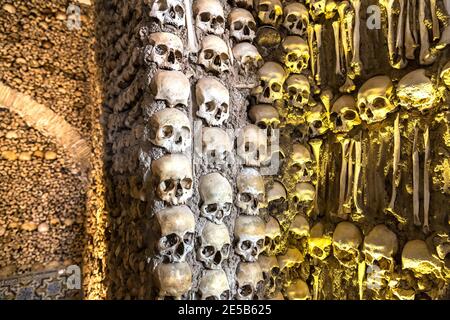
(357, 176)
(410, 43)
(192, 40)
(311, 50)
(435, 21)
(350, 173)
(426, 179)
(343, 176)
(396, 160)
(318, 31)
(337, 48)
(416, 168)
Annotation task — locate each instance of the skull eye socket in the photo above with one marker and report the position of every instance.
(379, 103)
(275, 271)
(167, 185)
(188, 238)
(224, 107)
(317, 124)
(210, 208)
(245, 197)
(245, 245)
(169, 241)
(260, 243)
(275, 87)
(225, 249)
(349, 115)
(208, 54)
(263, 8)
(333, 116)
(220, 19)
(166, 131)
(178, 55)
(179, 10)
(186, 183)
(292, 91)
(161, 49)
(205, 16)
(308, 165)
(252, 25)
(245, 290)
(226, 207)
(292, 57)
(208, 251)
(238, 25)
(291, 18)
(210, 106)
(224, 56)
(262, 125)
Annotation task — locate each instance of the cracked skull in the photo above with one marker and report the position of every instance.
(298, 90)
(344, 115)
(163, 88)
(270, 270)
(174, 178)
(249, 281)
(247, 57)
(346, 241)
(217, 146)
(379, 248)
(174, 280)
(171, 12)
(249, 232)
(214, 54)
(272, 243)
(374, 99)
(242, 25)
(213, 101)
(270, 12)
(171, 130)
(251, 191)
(252, 145)
(415, 90)
(296, 18)
(214, 286)
(295, 54)
(209, 16)
(166, 50)
(214, 245)
(301, 163)
(177, 225)
(217, 197)
(271, 76)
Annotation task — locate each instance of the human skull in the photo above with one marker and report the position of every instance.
(416, 91)
(317, 8)
(251, 191)
(217, 197)
(217, 146)
(214, 286)
(270, 12)
(271, 270)
(317, 119)
(174, 178)
(246, 4)
(177, 225)
(214, 245)
(416, 256)
(166, 50)
(319, 244)
(344, 115)
(301, 163)
(289, 262)
(242, 25)
(295, 53)
(374, 96)
(272, 242)
(171, 130)
(303, 196)
(265, 117)
(298, 90)
(248, 57)
(252, 145)
(272, 77)
(163, 88)
(298, 232)
(214, 54)
(169, 12)
(346, 241)
(298, 290)
(379, 248)
(173, 279)
(296, 18)
(277, 199)
(213, 101)
(445, 74)
(249, 232)
(209, 16)
(249, 281)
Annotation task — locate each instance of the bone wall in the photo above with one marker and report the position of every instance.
(347, 142)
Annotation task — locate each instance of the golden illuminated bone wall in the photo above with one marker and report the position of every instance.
(358, 206)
